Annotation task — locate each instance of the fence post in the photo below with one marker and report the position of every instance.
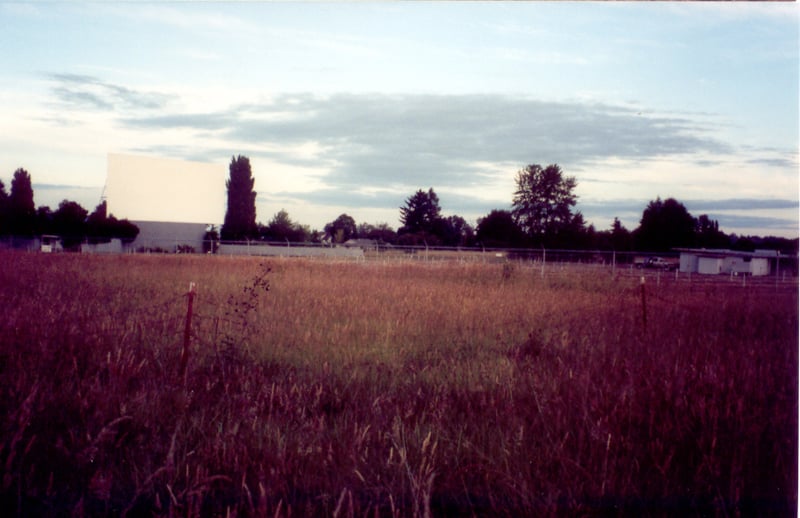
(644, 304)
(544, 260)
(187, 332)
(613, 262)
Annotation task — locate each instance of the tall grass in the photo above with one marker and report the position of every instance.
(320, 388)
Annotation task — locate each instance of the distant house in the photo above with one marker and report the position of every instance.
(718, 261)
(50, 243)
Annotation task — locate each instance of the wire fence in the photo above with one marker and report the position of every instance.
(661, 267)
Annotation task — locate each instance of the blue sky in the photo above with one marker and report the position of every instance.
(351, 107)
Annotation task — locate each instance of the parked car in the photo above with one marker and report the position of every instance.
(659, 263)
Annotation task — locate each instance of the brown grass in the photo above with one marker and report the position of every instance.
(322, 388)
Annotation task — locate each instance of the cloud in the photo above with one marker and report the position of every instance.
(197, 121)
(373, 150)
(756, 224)
(201, 20)
(741, 204)
(88, 92)
(59, 187)
(732, 213)
(338, 197)
(379, 139)
(781, 162)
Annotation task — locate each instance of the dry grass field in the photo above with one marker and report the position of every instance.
(317, 388)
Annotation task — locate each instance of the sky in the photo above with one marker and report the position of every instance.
(352, 107)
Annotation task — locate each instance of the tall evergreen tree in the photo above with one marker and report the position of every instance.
(21, 208)
(620, 236)
(420, 213)
(240, 218)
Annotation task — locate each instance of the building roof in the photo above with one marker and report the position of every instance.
(722, 252)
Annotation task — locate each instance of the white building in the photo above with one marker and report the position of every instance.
(718, 261)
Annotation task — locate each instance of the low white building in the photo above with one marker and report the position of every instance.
(727, 262)
(168, 236)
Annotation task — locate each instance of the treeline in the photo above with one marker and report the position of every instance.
(20, 217)
(542, 215)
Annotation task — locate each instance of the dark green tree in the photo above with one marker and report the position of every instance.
(620, 236)
(380, 232)
(21, 208)
(211, 240)
(542, 204)
(44, 220)
(282, 228)
(573, 234)
(69, 222)
(499, 230)
(420, 213)
(102, 227)
(708, 234)
(665, 225)
(341, 229)
(3, 209)
(454, 231)
(240, 217)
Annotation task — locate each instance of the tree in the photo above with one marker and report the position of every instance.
(665, 225)
(542, 204)
(102, 227)
(211, 240)
(454, 231)
(420, 213)
(282, 228)
(240, 217)
(573, 234)
(341, 229)
(708, 234)
(44, 220)
(3, 209)
(620, 236)
(381, 232)
(69, 222)
(21, 208)
(499, 230)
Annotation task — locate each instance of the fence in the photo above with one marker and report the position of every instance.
(549, 261)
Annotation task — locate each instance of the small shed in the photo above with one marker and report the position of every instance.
(50, 243)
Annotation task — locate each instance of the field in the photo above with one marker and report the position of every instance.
(320, 388)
